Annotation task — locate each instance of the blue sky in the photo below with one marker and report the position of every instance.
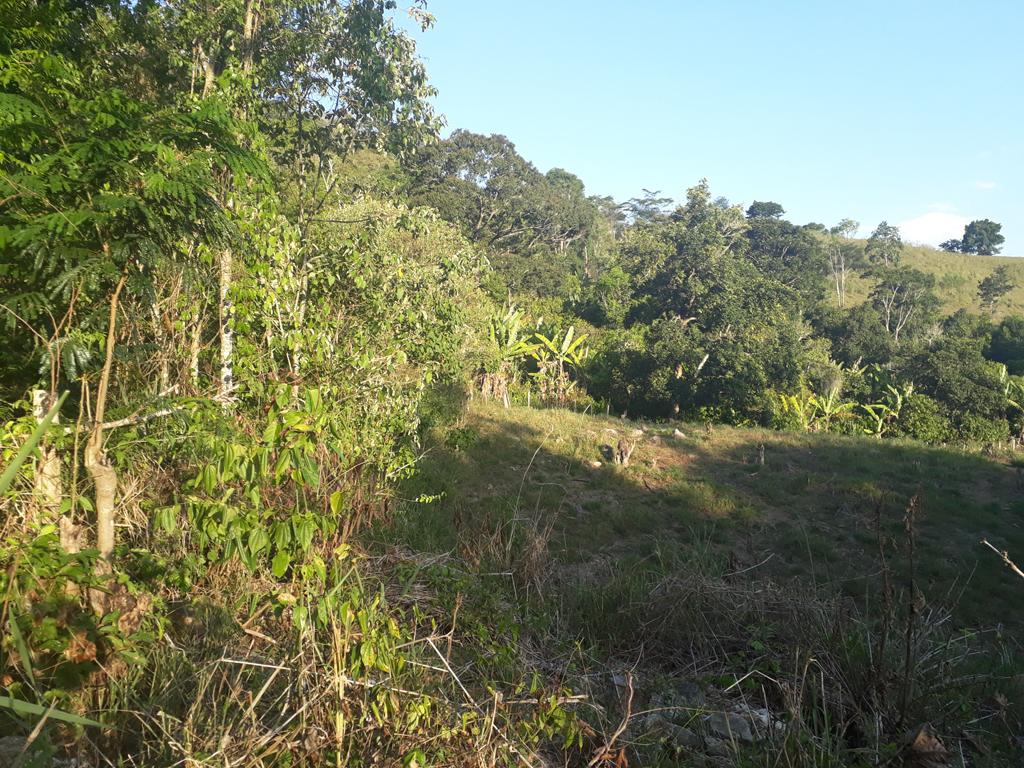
(907, 111)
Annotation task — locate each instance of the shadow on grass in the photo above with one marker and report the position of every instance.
(818, 508)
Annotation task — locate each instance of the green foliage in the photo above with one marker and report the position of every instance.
(994, 287)
(767, 210)
(883, 415)
(15, 464)
(920, 418)
(904, 299)
(884, 245)
(982, 237)
(556, 360)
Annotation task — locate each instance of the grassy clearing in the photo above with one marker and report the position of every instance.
(819, 507)
(698, 583)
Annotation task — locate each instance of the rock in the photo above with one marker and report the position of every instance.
(683, 737)
(677, 434)
(761, 720)
(637, 433)
(595, 464)
(11, 748)
(677, 734)
(655, 439)
(729, 726)
(690, 695)
(717, 747)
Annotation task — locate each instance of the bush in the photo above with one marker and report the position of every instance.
(921, 419)
(973, 428)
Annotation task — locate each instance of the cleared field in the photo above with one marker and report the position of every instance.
(821, 509)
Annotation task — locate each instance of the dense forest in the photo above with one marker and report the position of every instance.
(248, 292)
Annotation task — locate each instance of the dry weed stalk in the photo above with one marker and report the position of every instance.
(1006, 558)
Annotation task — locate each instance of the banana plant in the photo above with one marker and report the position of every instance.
(504, 334)
(1013, 390)
(885, 413)
(830, 407)
(553, 356)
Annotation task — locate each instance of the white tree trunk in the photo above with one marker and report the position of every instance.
(48, 489)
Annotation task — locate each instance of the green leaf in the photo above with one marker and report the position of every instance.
(258, 541)
(337, 502)
(282, 534)
(304, 532)
(281, 562)
(37, 434)
(26, 708)
(19, 641)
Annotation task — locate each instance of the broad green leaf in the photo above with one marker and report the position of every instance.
(281, 562)
(27, 708)
(304, 533)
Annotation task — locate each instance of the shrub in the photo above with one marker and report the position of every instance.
(978, 429)
(921, 419)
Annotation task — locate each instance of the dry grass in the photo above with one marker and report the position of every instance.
(957, 276)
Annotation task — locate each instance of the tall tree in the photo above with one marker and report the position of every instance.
(902, 294)
(836, 256)
(769, 210)
(884, 245)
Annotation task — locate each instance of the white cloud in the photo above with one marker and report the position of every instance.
(942, 207)
(985, 184)
(933, 228)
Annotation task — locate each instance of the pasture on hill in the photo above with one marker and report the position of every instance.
(821, 509)
(956, 278)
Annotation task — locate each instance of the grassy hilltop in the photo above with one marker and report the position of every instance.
(956, 278)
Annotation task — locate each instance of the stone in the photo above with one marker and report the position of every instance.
(11, 748)
(655, 439)
(637, 433)
(683, 737)
(595, 464)
(728, 726)
(717, 747)
(677, 734)
(677, 434)
(690, 695)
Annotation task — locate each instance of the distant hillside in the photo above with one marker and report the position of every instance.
(956, 275)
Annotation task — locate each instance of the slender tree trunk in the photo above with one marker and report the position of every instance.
(842, 268)
(161, 336)
(208, 74)
(194, 347)
(103, 474)
(48, 490)
(227, 334)
(252, 23)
